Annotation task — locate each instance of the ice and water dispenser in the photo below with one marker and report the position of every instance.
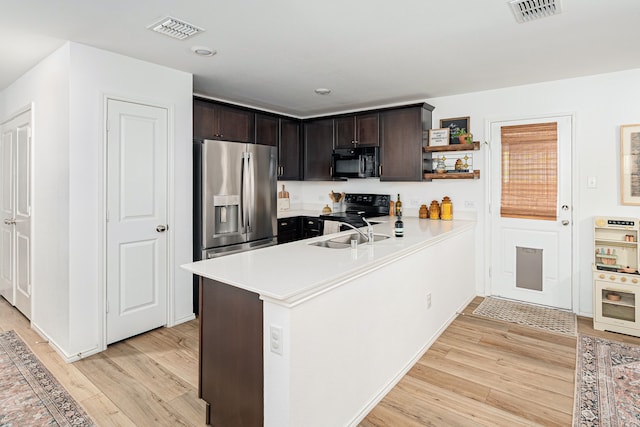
(226, 214)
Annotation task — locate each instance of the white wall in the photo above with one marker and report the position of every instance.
(68, 181)
(46, 88)
(600, 104)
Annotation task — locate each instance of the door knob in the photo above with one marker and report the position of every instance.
(161, 228)
(9, 221)
(565, 222)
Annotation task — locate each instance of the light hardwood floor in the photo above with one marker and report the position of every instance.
(478, 372)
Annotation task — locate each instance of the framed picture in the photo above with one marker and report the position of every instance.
(630, 164)
(438, 137)
(455, 125)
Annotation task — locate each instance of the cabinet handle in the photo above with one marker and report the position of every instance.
(380, 170)
(623, 279)
(284, 224)
(634, 280)
(612, 277)
(601, 276)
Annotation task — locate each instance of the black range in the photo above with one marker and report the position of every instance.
(358, 205)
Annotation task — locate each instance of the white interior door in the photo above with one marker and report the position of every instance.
(531, 258)
(15, 203)
(137, 243)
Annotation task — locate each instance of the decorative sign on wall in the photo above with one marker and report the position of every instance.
(438, 137)
(630, 164)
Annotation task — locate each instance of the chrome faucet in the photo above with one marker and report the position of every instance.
(369, 229)
(369, 235)
(357, 229)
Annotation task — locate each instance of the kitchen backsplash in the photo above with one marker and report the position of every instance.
(314, 195)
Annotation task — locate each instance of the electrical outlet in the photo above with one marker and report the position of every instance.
(429, 300)
(469, 204)
(275, 339)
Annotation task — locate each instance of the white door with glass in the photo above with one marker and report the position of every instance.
(531, 210)
(137, 238)
(15, 203)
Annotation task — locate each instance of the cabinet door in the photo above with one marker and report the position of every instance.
(289, 229)
(318, 147)
(205, 124)
(266, 130)
(401, 145)
(357, 131)
(367, 127)
(311, 227)
(235, 124)
(289, 151)
(345, 132)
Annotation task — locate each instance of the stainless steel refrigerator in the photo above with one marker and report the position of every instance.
(234, 198)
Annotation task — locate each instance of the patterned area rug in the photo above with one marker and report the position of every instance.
(29, 394)
(535, 316)
(607, 383)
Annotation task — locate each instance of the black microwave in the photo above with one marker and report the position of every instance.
(359, 162)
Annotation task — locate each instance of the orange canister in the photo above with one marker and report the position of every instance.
(434, 210)
(423, 212)
(446, 209)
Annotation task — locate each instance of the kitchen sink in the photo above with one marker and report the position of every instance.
(341, 242)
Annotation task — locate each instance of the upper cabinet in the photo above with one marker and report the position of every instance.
(267, 129)
(289, 150)
(401, 141)
(213, 120)
(359, 130)
(318, 148)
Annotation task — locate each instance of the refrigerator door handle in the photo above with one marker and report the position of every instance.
(244, 189)
(252, 192)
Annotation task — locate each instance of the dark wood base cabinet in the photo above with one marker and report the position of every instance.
(231, 377)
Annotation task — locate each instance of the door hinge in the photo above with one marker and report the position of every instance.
(489, 272)
(107, 306)
(107, 216)
(107, 126)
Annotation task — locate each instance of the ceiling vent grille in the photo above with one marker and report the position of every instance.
(175, 28)
(529, 10)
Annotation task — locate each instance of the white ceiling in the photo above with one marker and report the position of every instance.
(272, 54)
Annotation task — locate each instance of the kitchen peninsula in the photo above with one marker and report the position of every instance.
(298, 334)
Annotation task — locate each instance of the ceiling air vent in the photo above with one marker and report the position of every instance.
(175, 28)
(529, 10)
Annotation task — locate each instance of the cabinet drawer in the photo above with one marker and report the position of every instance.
(288, 224)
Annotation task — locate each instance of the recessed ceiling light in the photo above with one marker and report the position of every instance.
(323, 91)
(203, 51)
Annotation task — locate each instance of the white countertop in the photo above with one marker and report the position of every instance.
(290, 273)
(289, 213)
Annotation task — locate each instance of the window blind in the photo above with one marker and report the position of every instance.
(530, 171)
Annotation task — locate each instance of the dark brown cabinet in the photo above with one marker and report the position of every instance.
(289, 229)
(298, 227)
(401, 141)
(289, 150)
(212, 120)
(318, 147)
(231, 374)
(267, 128)
(311, 227)
(360, 130)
